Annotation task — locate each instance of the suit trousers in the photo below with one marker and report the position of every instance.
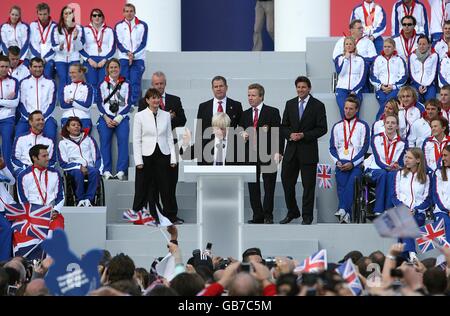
(150, 180)
(289, 174)
(264, 210)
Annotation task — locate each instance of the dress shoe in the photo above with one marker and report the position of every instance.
(252, 221)
(268, 221)
(288, 219)
(178, 221)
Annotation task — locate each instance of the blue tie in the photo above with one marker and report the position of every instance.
(300, 109)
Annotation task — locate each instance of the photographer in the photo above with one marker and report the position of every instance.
(114, 105)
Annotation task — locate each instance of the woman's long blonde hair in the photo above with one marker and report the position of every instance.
(421, 168)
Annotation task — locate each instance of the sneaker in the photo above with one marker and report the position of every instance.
(107, 175)
(81, 203)
(131, 216)
(346, 219)
(87, 203)
(340, 214)
(120, 175)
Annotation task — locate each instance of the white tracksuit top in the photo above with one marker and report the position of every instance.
(379, 18)
(395, 149)
(131, 37)
(417, 10)
(9, 97)
(72, 47)
(351, 72)
(423, 73)
(73, 155)
(37, 94)
(420, 130)
(82, 95)
(410, 192)
(388, 71)
(105, 38)
(432, 150)
(18, 35)
(41, 40)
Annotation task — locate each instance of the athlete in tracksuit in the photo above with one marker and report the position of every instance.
(79, 155)
(444, 71)
(440, 189)
(349, 143)
(390, 107)
(388, 154)
(373, 18)
(412, 192)
(416, 9)
(5, 227)
(18, 67)
(409, 110)
(131, 41)
(37, 93)
(421, 128)
(15, 35)
(41, 45)
(351, 69)
(440, 10)
(389, 73)
(434, 145)
(9, 100)
(121, 120)
(99, 47)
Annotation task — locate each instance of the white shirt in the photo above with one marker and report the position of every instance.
(224, 147)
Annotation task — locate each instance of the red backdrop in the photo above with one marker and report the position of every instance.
(341, 10)
(111, 9)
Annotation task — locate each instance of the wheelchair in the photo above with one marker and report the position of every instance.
(364, 199)
(69, 191)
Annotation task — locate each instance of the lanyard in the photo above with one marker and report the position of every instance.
(68, 39)
(368, 18)
(388, 148)
(351, 130)
(410, 11)
(38, 185)
(408, 44)
(97, 40)
(439, 148)
(42, 30)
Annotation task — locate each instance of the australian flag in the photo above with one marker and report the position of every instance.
(30, 226)
(429, 232)
(324, 176)
(315, 263)
(348, 272)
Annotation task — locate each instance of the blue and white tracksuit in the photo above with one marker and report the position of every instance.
(415, 196)
(404, 46)
(69, 55)
(122, 131)
(132, 37)
(379, 168)
(441, 48)
(358, 144)
(445, 114)
(387, 71)
(41, 187)
(75, 153)
(444, 71)
(417, 10)
(9, 100)
(82, 95)
(5, 227)
(440, 10)
(419, 132)
(20, 72)
(407, 117)
(424, 74)
(98, 46)
(37, 94)
(15, 35)
(441, 198)
(378, 26)
(378, 126)
(432, 150)
(41, 46)
(352, 73)
(21, 148)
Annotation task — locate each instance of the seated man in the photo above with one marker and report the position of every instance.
(40, 184)
(20, 153)
(79, 157)
(18, 69)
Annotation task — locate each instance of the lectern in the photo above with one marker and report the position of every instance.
(220, 205)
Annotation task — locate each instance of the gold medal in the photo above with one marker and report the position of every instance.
(346, 151)
(99, 50)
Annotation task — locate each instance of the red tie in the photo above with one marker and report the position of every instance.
(161, 103)
(255, 118)
(220, 108)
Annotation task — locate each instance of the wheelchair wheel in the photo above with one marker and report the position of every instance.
(99, 199)
(356, 210)
(69, 193)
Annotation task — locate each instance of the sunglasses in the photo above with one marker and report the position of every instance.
(407, 24)
(97, 15)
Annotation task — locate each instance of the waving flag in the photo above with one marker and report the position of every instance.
(324, 176)
(348, 272)
(30, 227)
(143, 218)
(433, 231)
(315, 263)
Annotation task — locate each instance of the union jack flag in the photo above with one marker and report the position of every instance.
(30, 227)
(348, 272)
(433, 231)
(315, 263)
(324, 176)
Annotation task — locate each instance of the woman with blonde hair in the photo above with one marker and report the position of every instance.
(15, 33)
(390, 108)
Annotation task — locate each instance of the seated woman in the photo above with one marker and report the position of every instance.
(444, 71)
(390, 108)
(412, 189)
(440, 191)
(388, 150)
(352, 72)
(114, 105)
(388, 74)
(77, 98)
(434, 145)
(79, 157)
(423, 69)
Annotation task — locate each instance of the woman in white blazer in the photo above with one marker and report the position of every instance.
(154, 153)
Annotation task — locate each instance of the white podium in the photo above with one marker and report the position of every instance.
(220, 205)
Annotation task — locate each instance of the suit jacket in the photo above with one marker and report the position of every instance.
(146, 135)
(313, 124)
(269, 117)
(171, 103)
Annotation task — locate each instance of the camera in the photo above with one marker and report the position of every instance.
(114, 106)
(245, 267)
(270, 262)
(12, 290)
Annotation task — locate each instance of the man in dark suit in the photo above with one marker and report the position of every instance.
(264, 147)
(304, 121)
(172, 104)
(220, 103)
